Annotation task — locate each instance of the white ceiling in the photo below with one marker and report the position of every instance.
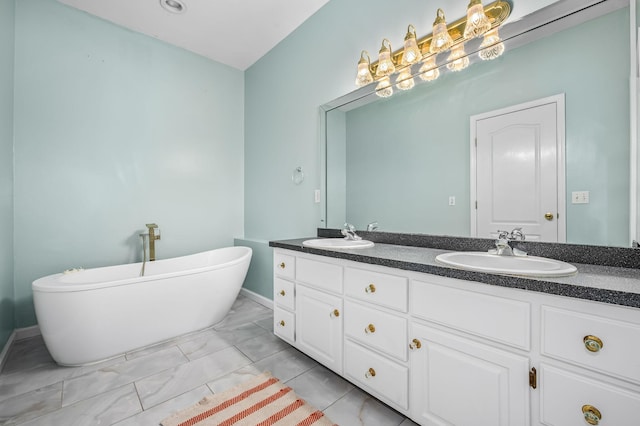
(234, 32)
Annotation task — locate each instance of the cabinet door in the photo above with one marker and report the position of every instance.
(457, 381)
(319, 326)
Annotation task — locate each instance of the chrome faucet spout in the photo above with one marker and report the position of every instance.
(349, 232)
(502, 243)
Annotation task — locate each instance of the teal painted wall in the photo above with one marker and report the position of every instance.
(114, 129)
(7, 323)
(420, 139)
(283, 92)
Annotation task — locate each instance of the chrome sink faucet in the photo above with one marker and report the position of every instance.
(349, 232)
(502, 243)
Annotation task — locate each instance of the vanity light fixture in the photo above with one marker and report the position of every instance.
(173, 6)
(477, 22)
(441, 40)
(411, 53)
(364, 75)
(480, 22)
(385, 64)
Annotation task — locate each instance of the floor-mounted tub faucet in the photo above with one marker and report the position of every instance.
(152, 240)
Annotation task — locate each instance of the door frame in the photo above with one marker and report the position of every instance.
(560, 158)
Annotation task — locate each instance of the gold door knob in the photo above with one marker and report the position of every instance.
(415, 344)
(591, 414)
(592, 343)
(370, 329)
(282, 265)
(282, 293)
(370, 373)
(370, 288)
(281, 323)
(335, 313)
(548, 216)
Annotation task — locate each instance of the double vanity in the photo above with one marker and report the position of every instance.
(418, 324)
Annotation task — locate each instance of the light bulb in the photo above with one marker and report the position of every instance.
(440, 39)
(384, 89)
(458, 59)
(405, 80)
(385, 64)
(364, 76)
(477, 21)
(491, 46)
(429, 70)
(411, 53)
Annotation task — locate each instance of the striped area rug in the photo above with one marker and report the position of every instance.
(260, 401)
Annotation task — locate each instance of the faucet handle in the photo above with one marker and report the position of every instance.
(349, 227)
(372, 226)
(503, 235)
(517, 234)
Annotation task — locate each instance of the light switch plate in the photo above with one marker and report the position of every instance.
(580, 197)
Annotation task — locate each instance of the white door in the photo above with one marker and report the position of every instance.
(319, 326)
(518, 181)
(458, 382)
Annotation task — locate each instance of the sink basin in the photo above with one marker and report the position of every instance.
(530, 266)
(337, 243)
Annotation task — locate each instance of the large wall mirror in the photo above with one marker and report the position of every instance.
(401, 160)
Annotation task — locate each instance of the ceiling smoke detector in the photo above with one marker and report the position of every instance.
(173, 6)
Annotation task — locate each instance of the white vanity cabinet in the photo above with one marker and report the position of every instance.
(444, 351)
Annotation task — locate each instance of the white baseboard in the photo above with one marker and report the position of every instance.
(17, 334)
(25, 333)
(257, 298)
(6, 349)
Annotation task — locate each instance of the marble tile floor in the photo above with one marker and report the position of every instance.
(144, 386)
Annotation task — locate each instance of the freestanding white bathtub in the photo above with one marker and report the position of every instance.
(95, 314)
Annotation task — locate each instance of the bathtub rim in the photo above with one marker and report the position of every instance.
(51, 283)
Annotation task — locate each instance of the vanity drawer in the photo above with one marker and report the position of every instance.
(284, 265)
(496, 318)
(380, 330)
(375, 287)
(283, 293)
(564, 396)
(322, 275)
(566, 335)
(284, 324)
(377, 374)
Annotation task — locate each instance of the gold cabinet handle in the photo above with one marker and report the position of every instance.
(370, 373)
(370, 288)
(281, 323)
(335, 313)
(592, 343)
(282, 265)
(415, 344)
(591, 414)
(548, 216)
(282, 293)
(370, 329)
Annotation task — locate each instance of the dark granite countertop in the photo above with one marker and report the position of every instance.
(601, 283)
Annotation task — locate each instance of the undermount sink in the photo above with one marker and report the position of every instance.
(530, 266)
(337, 243)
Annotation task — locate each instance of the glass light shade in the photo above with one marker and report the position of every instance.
(384, 89)
(429, 70)
(477, 21)
(411, 53)
(491, 46)
(364, 76)
(441, 39)
(385, 64)
(458, 59)
(405, 80)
